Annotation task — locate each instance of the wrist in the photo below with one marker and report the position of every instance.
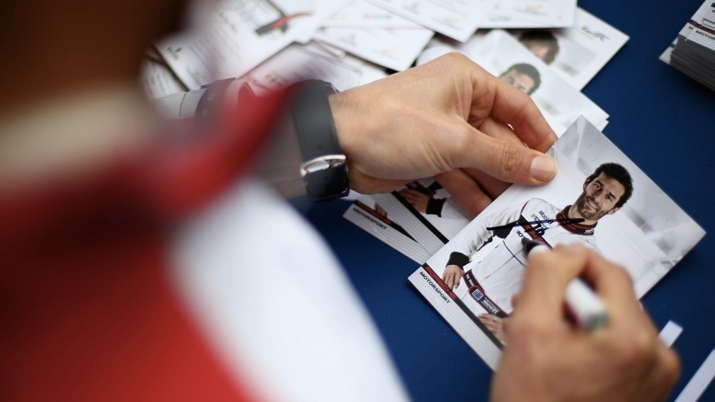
(323, 169)
(458, 259)
(341, 108)
(434, 206)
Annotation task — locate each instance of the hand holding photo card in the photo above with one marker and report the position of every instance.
(598, 199)
(503, 56)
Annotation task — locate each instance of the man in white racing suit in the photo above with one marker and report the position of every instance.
(494, 278)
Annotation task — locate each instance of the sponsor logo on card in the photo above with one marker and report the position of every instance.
(594, 34)
(477, 294)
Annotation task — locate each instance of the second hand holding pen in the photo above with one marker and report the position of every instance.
(587, 308)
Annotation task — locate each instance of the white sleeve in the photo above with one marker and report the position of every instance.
(288, 323)
(482, 234)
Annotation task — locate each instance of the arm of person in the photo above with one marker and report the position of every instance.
(547, 358)
(463, 250)
(421, 123)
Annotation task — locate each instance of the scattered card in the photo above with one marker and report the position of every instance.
(576, 54)
(502, 55)
(375, 34)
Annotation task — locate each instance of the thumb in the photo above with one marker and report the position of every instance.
(505, 160)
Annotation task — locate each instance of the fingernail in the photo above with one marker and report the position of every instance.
(543, 168)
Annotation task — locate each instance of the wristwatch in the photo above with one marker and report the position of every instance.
(324, 168)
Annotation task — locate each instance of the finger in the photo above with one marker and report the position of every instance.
(493, 187)
(514, 300)
(406, 196)
(380, 210)
(515, 108)
(485, 317)
(496, 129)
(487, 323)
(545, 280)
(464, 191)
(666, 373)
(455, 280)
(612, 283)
(503, 159)
(407, 193)
(448, 279)
(459, 276)
(366, 184)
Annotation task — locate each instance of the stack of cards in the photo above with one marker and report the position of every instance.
(239, 35)
(709, 17)
(693, 51)
(502, 55)
(376, 35)
(529, 13)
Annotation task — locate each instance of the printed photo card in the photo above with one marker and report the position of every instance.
(599, 198)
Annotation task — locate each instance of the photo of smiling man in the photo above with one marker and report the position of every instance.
(493, 279)
(522, 76)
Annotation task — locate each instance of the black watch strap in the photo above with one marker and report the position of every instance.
(323, 169)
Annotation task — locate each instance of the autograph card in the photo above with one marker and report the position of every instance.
(384, 38)
(502, 55)
(361, 14)
(298, 62)
(576, 54)
(457, 19)
(395, 49)
(542, 13)
(646, 232)
(426, 211)
(240, 35)
(369, 216)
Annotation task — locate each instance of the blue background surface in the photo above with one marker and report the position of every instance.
(663, 120)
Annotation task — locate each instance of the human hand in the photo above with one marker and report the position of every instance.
(448, 118)
(380, 210)
(547, 358)
(494, 324)
(418, 200)
(451, 275)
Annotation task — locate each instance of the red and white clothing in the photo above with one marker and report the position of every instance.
(500, 271)
(168, 273)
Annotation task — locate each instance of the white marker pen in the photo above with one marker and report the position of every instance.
(588, 309)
